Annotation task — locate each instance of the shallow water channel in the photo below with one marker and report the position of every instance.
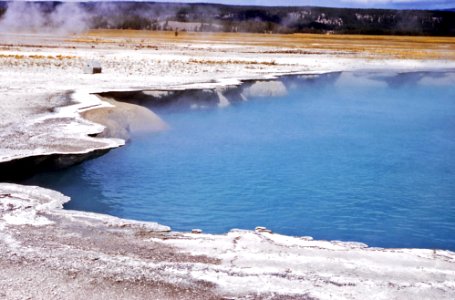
(368, 157)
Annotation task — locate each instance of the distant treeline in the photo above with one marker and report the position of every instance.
(226, 18)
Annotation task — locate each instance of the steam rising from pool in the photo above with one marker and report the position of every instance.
(363, 157)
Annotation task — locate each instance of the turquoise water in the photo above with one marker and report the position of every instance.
(357, 157)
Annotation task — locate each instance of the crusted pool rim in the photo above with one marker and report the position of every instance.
(80, 253)
(118, 258)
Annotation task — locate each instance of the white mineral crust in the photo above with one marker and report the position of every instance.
(50, 253)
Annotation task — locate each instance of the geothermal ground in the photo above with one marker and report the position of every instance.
(51, 118)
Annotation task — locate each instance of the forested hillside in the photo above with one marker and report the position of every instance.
(213, 17)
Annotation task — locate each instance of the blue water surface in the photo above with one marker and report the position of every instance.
(356, 157)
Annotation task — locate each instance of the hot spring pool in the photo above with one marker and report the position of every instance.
(362, 157)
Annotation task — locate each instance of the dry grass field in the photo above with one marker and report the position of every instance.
(404, 47)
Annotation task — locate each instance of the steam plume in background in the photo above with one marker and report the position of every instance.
(32, 17)
(76, 17)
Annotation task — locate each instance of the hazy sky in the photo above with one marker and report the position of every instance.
(419, 4)
(400, 4)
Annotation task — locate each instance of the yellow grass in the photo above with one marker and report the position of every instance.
(353, 45)
(34, 56)
(231, 61)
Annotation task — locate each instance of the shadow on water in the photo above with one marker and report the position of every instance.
(86, 193)
(346, 156)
